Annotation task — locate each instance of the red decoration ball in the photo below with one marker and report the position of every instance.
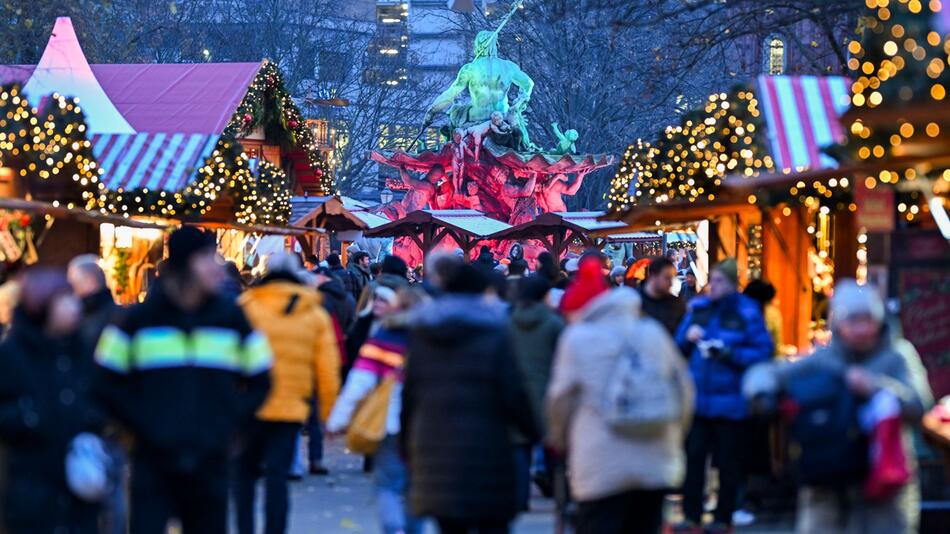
(318, 173)
(292, 124)
(24, 220)
(248, 117)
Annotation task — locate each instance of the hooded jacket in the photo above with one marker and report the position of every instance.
(585, 359)
(737, 321)
(182, 381)
(462, 393)
(306, 354)
(534, 333)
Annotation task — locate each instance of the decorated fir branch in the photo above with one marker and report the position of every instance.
(724, 137)
(270, 190)
(269, 105)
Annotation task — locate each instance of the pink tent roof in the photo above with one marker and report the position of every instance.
(178, 97)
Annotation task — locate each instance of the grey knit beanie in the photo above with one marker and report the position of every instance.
(850, 300)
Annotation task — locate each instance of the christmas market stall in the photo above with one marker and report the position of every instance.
(217, 145)
(679, 182)
(339, 217)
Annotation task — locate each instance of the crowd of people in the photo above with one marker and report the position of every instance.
(463, 383)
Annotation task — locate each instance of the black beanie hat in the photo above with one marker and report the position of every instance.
(394, 265)
(333, 260)
(185, 243)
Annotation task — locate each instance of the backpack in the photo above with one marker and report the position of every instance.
(827, 446)
(641, 396)
(368, 427)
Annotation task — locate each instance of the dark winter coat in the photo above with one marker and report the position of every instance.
(98, 310)
(463, 394)
(360, 279)
(535, 330)
(44, 404)
(338, 303)
(183, 381)
(668, 310)
(737, 321)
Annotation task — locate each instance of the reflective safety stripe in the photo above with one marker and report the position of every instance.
(257, 355)
(112, 351)
(159, 347)
(216, 347)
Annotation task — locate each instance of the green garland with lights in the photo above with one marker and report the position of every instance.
(271, 188)
(688, 161)
(269, 105)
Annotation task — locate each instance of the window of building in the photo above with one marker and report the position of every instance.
(776, 56)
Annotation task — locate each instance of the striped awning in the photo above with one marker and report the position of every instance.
(154, 161)
(802, 113)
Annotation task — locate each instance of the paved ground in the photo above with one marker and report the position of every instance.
(343, 503)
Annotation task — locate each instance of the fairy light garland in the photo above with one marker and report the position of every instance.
(270, 188)
(900, 60)
(690, 160)
(268, 104)
(46, 144)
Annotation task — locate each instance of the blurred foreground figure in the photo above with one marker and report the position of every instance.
(723, 334)
(463, 394)
(619, 403)
(378, 369)
(182, 371)
(98, 307)
(868, 364)
(306, 362)
(44, 405)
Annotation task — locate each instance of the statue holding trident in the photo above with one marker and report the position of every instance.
(487, 78)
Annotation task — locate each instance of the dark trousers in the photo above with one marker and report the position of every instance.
(454, 526)
(630, 512)
(523, 475)
(724, 438)
(268, 445)
(315, 443)
(198, 498)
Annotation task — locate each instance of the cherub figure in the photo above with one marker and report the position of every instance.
(495, 126)
(565, 140)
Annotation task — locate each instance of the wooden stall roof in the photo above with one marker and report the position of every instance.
(470, 223)
(546, 224)
(333, 213)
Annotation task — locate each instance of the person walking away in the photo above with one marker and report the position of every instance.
(535, 329)
(381, 356)
(462, 460)
(871, 359)
(724, 334)
(183, 371)
(306, 363)
(656, 295)
(98, 307)
(88, 282)
(358, 268)
(45, 404)
(618, 496)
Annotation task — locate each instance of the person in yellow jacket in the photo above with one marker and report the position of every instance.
(306, 357)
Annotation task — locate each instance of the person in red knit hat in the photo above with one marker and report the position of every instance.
(587, 284)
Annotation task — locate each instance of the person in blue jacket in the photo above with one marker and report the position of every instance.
(723, 334)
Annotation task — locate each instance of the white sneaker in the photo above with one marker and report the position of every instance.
(742, 518)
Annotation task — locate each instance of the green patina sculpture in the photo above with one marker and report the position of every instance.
(487, 78)
(565, 140)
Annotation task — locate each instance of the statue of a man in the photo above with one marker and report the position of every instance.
(550, 195)
(487, 78)
(421, 192)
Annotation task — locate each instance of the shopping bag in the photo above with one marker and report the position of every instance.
(368, 427)
(889, 471)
